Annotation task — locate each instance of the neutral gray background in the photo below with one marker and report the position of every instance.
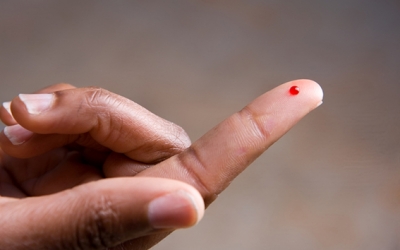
(333, 182)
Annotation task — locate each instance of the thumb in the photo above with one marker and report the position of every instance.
(99, 215)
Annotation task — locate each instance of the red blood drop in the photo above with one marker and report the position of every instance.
(294, 90)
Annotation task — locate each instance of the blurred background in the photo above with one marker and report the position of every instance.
(333, 182)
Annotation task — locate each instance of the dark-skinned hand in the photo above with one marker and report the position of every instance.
(83, 168)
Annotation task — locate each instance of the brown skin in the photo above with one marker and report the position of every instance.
(58, 182)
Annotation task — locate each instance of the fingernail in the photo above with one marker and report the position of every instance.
(175, 210)
(319, 104)
(37, 103)
(17, 134)
(7, 106)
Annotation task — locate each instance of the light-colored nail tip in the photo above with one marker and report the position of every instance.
(17, 135)
(172, 211)
(7, 106)
(37, 103)
(199, 210)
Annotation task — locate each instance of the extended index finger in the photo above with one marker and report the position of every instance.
(213, 161)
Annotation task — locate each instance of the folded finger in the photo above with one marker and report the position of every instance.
(5, 111)
(6, 115)
(89, 116)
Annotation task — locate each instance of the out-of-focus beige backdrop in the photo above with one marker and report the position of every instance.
(333, 182)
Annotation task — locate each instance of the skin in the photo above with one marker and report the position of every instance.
(88, 174)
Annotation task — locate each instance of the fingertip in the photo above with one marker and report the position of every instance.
(198, 203)
(6, 114)
(7, 107)
(310, 89)
(37, 103)
(17, 135)
(319, 92)
(179, 209)
(291, 101)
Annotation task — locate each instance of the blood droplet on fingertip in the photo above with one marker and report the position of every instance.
(294, 90)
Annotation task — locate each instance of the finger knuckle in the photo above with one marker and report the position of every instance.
(95, 96)
(193, 166)
(255, 124)
(96, 229)
(102, 104)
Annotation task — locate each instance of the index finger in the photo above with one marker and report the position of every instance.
(213, 161)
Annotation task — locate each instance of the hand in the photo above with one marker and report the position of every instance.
(73, 138)
(75, 218)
